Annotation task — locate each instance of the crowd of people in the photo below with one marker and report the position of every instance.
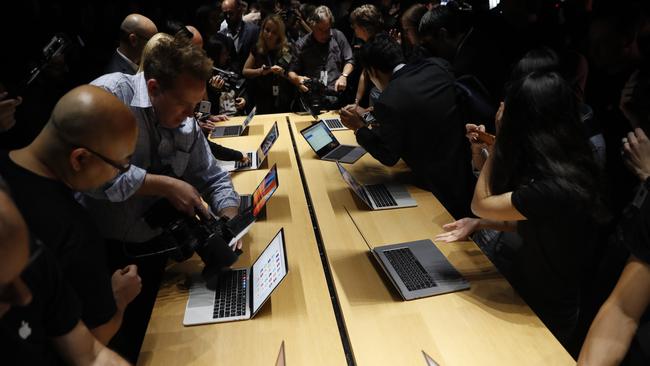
(527, 120)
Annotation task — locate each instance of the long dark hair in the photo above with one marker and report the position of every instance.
(541, 136)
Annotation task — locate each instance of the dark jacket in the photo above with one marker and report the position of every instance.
(118, 64)
(249, 33)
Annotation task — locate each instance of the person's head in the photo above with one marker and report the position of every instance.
(320, 22)
(153, 42)
(542, 136)
(196, 40)
(176, 73)
(272, 35)
(537, 60)
(379, 57)
(442, 28)
(232, 11)
(410, 22)
(366, 21)
(207, 19)
(14, 255)
(135, 31)
(219, 49)
(88, 140)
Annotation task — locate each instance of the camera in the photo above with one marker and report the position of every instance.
(319, 98)
(232, 81)
(183, 236)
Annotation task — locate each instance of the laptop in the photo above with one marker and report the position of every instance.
(255, 158)
(327, 147)
(230, 131)
(241, 292)
(241, 224)
(378, 196)
(417, 269)
(334, 124)
(430, 361)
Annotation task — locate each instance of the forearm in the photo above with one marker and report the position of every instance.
(105, 332)
(295, 78)
(80, 348)
(361, 89)
(348, 68)
(497, 225)
(609, 337)
(250, 73)
(154, 185)
(486, 205)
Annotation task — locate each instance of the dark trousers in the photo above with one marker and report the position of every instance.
(128, 340)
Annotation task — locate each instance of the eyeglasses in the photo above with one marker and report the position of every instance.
(122, 168)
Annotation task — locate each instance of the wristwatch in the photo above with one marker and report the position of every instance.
(344, 75)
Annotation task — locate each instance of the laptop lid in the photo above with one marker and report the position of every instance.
(320, 138)
(270, 268)
(265, 190)
(248, 119)
(267, 143)
(356, 187)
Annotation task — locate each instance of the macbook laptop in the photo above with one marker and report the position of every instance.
(255, 158)
(230, 131)
(417, 269)
(241, 292)
(241, 224)
(378, 196)
(334, 124)
(327, 147)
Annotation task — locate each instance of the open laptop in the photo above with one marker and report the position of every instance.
(241, 292)
(230, 131)
(255, 158)
(417, 269)
(378, 196)
(242, 223)
(327, 147)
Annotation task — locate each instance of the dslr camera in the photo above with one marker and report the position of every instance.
(232, 81)
(319, 98)
(183, 236)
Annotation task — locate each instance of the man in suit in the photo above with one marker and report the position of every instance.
(135, 31)
(243, 34)
(418, 120)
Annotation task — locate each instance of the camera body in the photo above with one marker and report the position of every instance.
(319, 98)
(183, 236)
(232, 81)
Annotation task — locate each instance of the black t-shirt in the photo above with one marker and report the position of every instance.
(26, 331)
(559, 240)
(53, 215)
(272, 93)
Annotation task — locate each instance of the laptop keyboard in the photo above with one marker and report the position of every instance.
(230, 299)
(239, 164)
(381, 195)
(231, 130)
(409, 269)
(340, 152)
(333, 123)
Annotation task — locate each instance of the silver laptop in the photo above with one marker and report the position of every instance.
(230, 131)
(241, 292)
(255, 158)
(327, 147)
(417, 269)
(334, 124)
(378, 196)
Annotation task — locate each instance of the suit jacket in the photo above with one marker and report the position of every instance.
(419, 121)
(118, 64)
(249, 33)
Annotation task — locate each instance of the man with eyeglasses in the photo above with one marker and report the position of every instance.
(135, 31)
(172, 161)
(87, 141)
(39, 313)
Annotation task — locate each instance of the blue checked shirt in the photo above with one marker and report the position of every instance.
(182, 152)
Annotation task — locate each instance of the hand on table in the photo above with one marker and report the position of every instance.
(458, 230)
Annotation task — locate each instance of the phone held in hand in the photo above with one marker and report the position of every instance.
(203, 110)
(485, 137)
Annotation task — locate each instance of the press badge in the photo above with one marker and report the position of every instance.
(323, 77)
(276, 90)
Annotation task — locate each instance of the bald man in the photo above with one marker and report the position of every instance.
(242, 33)
(39, 314)
(135, 31)
(87, 141)
(196, 40)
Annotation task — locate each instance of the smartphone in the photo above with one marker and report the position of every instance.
(485, 137)
(203, 110)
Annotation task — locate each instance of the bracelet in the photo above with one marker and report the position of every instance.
(344, 75)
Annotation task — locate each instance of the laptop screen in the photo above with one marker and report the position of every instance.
(268, 270)
(269, 140)
(248, 119)
(265, 190)
(319, 137)
(353, 183)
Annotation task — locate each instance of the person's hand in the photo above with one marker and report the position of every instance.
(126, 285)
(238, 245)
(302, 87)
(240, 103)
(265, 70)
(341, 83)
(472, 135)
(351, 118)
(7, 111)
(636, 153)
(395, 35)
(458, 230)
(277, 70)
(185, 198)
(626, 103)
(498, 117)
(218, 118)
(217, 82)
(207, 126)
(244, 160)
(229, 212)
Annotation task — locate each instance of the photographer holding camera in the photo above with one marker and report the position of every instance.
(172, 160)
(226, 89)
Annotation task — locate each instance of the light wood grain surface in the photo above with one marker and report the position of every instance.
(487, 325)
